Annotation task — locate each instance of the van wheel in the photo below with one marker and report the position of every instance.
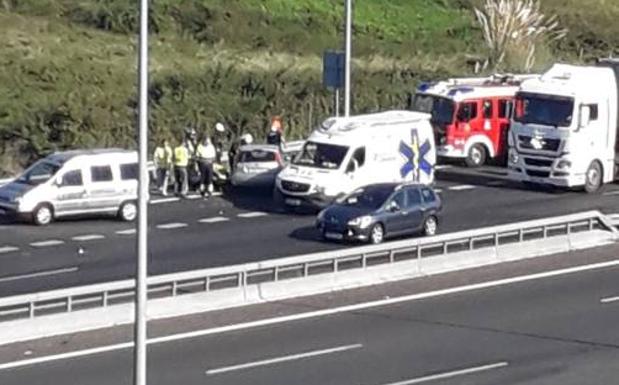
(593, 177)
(377, 234)
(128, 211)
(43, 215)
(430, 226)
(477, 156)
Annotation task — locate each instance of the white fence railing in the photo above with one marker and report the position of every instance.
(299, 267)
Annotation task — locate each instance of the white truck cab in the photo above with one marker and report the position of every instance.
(100, 181)
(343, 154)
(564, 129)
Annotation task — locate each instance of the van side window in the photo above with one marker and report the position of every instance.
(505, 109)
(414, 197)
(428, 195)
(72, 178)
(101, 173)
(359, 156)
(488, 110)
(594, 114)
(129, 171)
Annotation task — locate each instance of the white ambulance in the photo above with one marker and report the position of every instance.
(346, 153)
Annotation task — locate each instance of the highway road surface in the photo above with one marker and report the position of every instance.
(193, 234)
(545, 329)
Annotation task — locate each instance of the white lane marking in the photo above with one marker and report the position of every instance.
(254, 214)
(461, 187)
(8, 249)
(170, 226)
(193, 197)
(164, 200)
(126, 232)
(51, 242)
(438, 190)
(616, 192)
(277, 360)
(315, 314)
(40, 274)
(455, 373)
(609, 299)
(88, 237)
(443, 166)
(214, 220)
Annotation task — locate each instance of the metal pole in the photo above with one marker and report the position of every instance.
(336, 103)
(139, 372)
(348, 53)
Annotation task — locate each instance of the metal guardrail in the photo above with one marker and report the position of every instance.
(239, 276)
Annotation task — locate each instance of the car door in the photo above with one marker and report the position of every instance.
(102, 191)
(414, 211)
(70, 193)
(396, 220)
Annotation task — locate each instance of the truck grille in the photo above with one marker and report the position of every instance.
(295, 186)
(538, 174)
(526, 142)
(538, 162)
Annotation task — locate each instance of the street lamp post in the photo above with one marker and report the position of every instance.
(348, 53)
(139, 372)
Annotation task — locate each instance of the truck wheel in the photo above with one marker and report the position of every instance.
(128, 211)
(477, 156)
(43, 215)
(593, 177)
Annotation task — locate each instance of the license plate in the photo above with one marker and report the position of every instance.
(293, 202)
(336, 236)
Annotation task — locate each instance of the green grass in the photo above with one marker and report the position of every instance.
(67, 67)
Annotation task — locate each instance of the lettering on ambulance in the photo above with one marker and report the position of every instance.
(415, 157)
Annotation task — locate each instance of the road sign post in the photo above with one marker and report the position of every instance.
(333, 74)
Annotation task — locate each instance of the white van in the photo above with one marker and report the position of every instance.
(344, 154)
(102, 181)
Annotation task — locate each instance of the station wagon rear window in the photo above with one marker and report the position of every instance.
(257, 156)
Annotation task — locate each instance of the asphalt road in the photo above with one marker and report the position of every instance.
(542, 332)
(243, 227)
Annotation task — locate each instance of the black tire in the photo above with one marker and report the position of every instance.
(43, 215)
(128, 211)
(477, 156)
(430, 226)
(377, 234)
(594, 177)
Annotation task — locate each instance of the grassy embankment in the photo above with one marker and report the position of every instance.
(67, 67)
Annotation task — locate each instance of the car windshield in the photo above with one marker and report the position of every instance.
(257, 156)
(441, 109)
(40, 172)
(367, 198)
(544, 110)
(321, 155)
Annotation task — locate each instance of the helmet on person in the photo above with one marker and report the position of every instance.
(219, 127)
(247, 138)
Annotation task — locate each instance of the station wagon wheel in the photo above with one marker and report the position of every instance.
(43, 215)
(128, 211)
(377, 234)
(476, 156)
(430, 226)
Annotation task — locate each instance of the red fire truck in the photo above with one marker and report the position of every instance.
(470, 116)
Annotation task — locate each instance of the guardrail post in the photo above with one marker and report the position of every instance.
(31, 310)
(445, 244)
(419, 258)
(364, 261)
(391, 256)
(104, 299)
(335, 265)
(305, 269)
(471, 243)
(174, 288)
(207, 283)
(591, 222)
(69, 304)
(521, 235)
(276, 274)
(545, 231)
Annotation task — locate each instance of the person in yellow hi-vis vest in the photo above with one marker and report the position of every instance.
(163, 164)
(181, 161)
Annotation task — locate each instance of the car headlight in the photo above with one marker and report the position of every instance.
(361, 222)
(513, 157)
(563, 164)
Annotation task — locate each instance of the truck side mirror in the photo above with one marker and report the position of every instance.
(584, 117)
